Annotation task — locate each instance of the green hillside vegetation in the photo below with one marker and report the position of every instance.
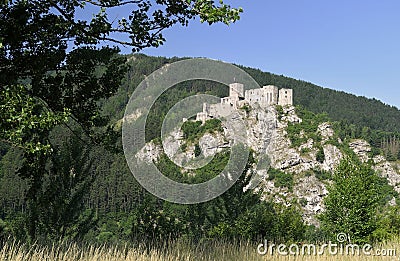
(339, 105)
(89, 194)
(353, 116)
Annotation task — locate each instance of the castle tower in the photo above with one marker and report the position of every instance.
(236, 93)
(285, 97)
(271, 93)
(236, 90)
(267, 95)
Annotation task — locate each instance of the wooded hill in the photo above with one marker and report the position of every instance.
(339, 105)
(354, 116)
(88, 191)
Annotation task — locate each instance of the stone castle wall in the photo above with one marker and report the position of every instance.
(265, 96)
(285, 97)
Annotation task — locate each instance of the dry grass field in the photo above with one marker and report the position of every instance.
(175, 251)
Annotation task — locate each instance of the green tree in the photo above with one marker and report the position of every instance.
(320, 157)
(43, 83)
(61, 212)
(353, 200)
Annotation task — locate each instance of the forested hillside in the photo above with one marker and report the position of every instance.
(338, 105)
(89, 193)
(355, 116)
(328, 165)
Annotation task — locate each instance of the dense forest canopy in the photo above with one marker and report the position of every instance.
(355, 111)
(63, 174)
(53, 72)
(97, 199)
(339, 105)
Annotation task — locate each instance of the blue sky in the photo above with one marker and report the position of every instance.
(352, 46)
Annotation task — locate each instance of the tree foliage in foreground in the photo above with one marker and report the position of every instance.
(45, 84)
(53, 72)
(353, 201)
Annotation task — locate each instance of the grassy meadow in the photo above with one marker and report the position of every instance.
(216, 250)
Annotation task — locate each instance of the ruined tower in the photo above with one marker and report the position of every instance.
(264, 97)
(236, 93)
(285, 97)
(267, 95)
(236, 90)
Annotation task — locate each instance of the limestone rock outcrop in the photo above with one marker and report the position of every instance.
(310, 192)
(150, 152)
(361, 148)
(390, 171)
(267, 136)
(333, 155)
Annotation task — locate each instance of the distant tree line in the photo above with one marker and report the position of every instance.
(87, 192)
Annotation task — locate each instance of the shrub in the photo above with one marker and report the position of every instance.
(211, 126)
(303, 202)
(246, 108)
(197, 150)
(308, 126)
(193, 130)
(190, 129)
(279, 110)
(353, 201)
(322, 174)
(320, 157)
(281, 179)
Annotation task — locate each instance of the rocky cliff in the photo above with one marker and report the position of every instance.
(308, 165)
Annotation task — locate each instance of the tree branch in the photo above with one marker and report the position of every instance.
(112, 5)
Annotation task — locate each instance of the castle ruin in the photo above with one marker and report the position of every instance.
(238, 97)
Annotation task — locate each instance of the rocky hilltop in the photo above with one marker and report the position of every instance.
(302, 158)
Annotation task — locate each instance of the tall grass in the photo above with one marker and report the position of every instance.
(178, 250)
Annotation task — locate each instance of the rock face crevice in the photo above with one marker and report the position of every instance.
(361, 148)
(267, 136)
